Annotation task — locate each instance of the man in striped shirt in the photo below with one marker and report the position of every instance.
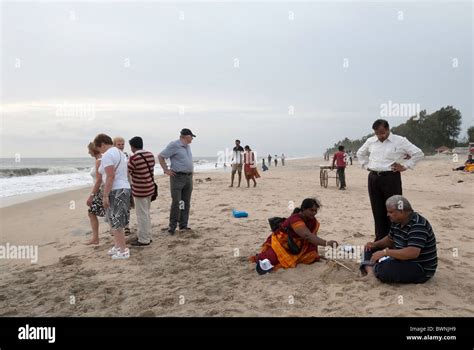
(408, 253)
(141, 169)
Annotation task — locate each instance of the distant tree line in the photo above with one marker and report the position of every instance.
(427, 131)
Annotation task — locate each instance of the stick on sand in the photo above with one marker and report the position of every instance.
(340, 264)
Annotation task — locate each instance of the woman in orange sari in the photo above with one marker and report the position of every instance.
(250, 166)
(302, 227)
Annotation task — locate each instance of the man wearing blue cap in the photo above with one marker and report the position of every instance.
(181, 178)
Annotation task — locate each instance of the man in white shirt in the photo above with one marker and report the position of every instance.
(237, 162)
(385, 156)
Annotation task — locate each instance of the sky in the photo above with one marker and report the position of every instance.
(283, 77)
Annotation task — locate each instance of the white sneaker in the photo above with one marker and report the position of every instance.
(113, 251)
(121, 255)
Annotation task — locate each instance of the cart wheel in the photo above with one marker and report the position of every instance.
(337, 179)
(326, 176)
(321, 178)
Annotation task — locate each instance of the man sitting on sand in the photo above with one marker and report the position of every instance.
(409, 249)
(300, 231)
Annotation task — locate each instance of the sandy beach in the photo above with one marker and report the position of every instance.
(206, 272)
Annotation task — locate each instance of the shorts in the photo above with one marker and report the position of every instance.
(237, 167)
(118, 214)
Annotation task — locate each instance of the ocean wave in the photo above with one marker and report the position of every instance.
(17, 172)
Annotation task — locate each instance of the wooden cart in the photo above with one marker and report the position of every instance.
(324, 171)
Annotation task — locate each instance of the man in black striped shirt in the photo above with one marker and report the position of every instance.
(408, 253)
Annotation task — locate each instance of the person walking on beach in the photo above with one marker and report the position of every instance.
(269, 160)
(283, 159)
(237, 161)
(409, 249)
(181, 179)
(141, 170)
(264, 167)
(381, 155)
(350, 156)
(276, 160)
(250, 166)
(119, 142)
(117, 192)
(94, 201)
(339, 160)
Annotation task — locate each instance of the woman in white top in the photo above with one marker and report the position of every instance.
(114, 173)
(94, 202)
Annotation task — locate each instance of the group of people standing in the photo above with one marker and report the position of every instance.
(122, 183)
(404, 249)
(275, 160)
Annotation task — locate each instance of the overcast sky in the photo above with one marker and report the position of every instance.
(282, 77)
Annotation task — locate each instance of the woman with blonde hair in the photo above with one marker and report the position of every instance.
(94, 202)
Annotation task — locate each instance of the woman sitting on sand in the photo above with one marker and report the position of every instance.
(302, 228)
(94, 202)
(250, 166)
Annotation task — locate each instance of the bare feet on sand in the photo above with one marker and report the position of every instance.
(92, 241)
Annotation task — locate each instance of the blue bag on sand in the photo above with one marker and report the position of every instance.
(239, 214)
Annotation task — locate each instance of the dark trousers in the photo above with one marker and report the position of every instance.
(181, 187)
(397, 271)
(342, 176)
(382, 187)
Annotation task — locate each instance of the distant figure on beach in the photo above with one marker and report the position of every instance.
(119, 142)
(94, 201)
(381, 155)
(339, 160)
(466, 166)
(264, 167)
(276, 160)
(283, 159)
(350, 156)
(117, 192)
(181, 179)
(409, 249)
(269, 160)
(141, 167)
(237, 161)
(326, 155)
(250, 166)
(294, 242)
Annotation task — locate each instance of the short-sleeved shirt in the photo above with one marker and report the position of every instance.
(142, 173)
(417, 233)
(340, 159)
(115, 158)
(180, 156)
(237, 155)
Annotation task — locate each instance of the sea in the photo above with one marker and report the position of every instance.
(35, 175)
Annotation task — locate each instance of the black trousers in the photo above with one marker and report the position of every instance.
(342, 176)
(396, 271)
(382, 187)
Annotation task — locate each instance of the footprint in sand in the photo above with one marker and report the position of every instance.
(87, 273)
(446, 261)
(70, 260)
